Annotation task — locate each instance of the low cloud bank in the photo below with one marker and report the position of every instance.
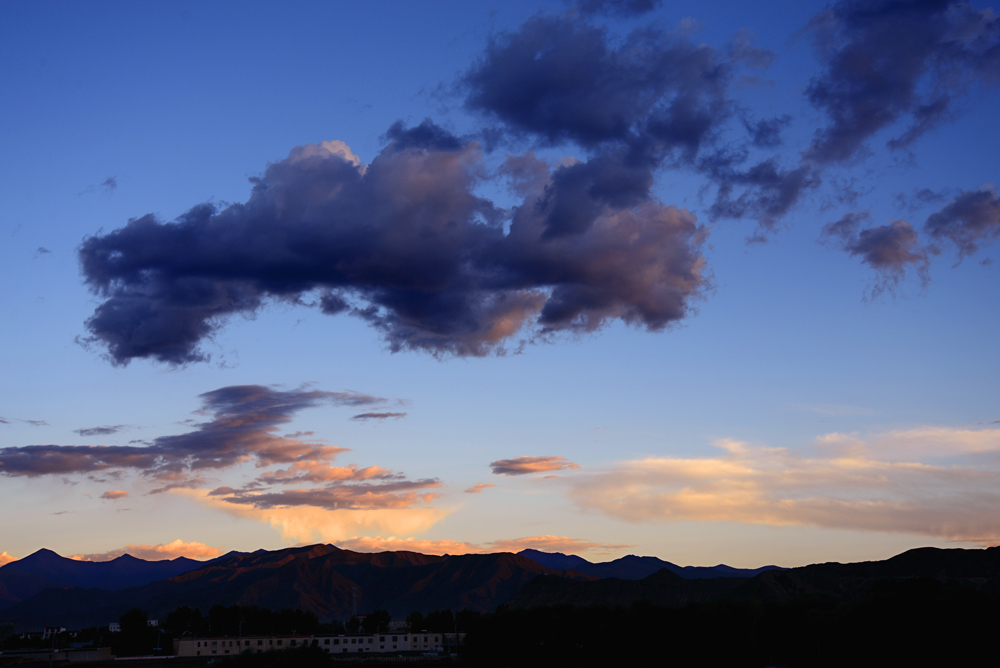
(933, 481)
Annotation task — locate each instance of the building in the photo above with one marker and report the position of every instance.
(354, 643)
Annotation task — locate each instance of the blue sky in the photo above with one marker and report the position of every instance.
(821, 395)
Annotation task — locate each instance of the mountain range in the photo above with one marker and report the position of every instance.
(979, 569)
(632, 567)
(321, 578)
(45, 588)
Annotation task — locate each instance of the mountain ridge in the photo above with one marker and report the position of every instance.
(634, 567)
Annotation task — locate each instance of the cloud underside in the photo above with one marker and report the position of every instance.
(245, 419)
(171, 550)
(405, 245)
(528, 465)
(872, 485)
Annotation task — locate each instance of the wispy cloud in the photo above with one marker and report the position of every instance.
(933, 481)
(242, 428)
(114, 495)
(378, 416)
(526, 465)
(479, 487)
(106, 430)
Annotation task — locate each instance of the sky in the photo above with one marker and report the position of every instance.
(708, 281)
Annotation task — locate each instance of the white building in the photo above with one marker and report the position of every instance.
(356, 643)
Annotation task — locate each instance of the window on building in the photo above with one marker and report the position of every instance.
(326, 642)
(260, 642)
(280, 641)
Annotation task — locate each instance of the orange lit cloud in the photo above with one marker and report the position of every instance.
(177, 548)
(310, 524)
(932, 481)
(526, 465)
(6, 558)
(113, 494)
(478, 487)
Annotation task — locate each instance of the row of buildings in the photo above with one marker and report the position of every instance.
(356, 643)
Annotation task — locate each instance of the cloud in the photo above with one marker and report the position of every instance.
(931, 481)
(244, 419)
(42, 250)
(555, 544)
(886, 63)
(888, 249)
(114, 494)
(172, 550)
(526, 465)
(378, 416)
(479, 487)
(106, 430)
(406, 245)
(769, 191)
(351, 496)
(35, 423)
(653, 99)
(108, 185)
(562, 79)
(4, 421)
(6, 559)
(969, 221)
(616, 7)
(309, 523)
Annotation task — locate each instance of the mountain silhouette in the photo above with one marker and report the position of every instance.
(26, 577)
(978, 569)
(632, 567)
(319, 578)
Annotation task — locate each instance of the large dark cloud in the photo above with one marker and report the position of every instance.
(560, 79)
(888, 61)
(244, 419)
(888, 249)
(405, 244)
(969, 221)
(652, 100)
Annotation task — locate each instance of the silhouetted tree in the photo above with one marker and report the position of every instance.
(377, 621)
(415, 620)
